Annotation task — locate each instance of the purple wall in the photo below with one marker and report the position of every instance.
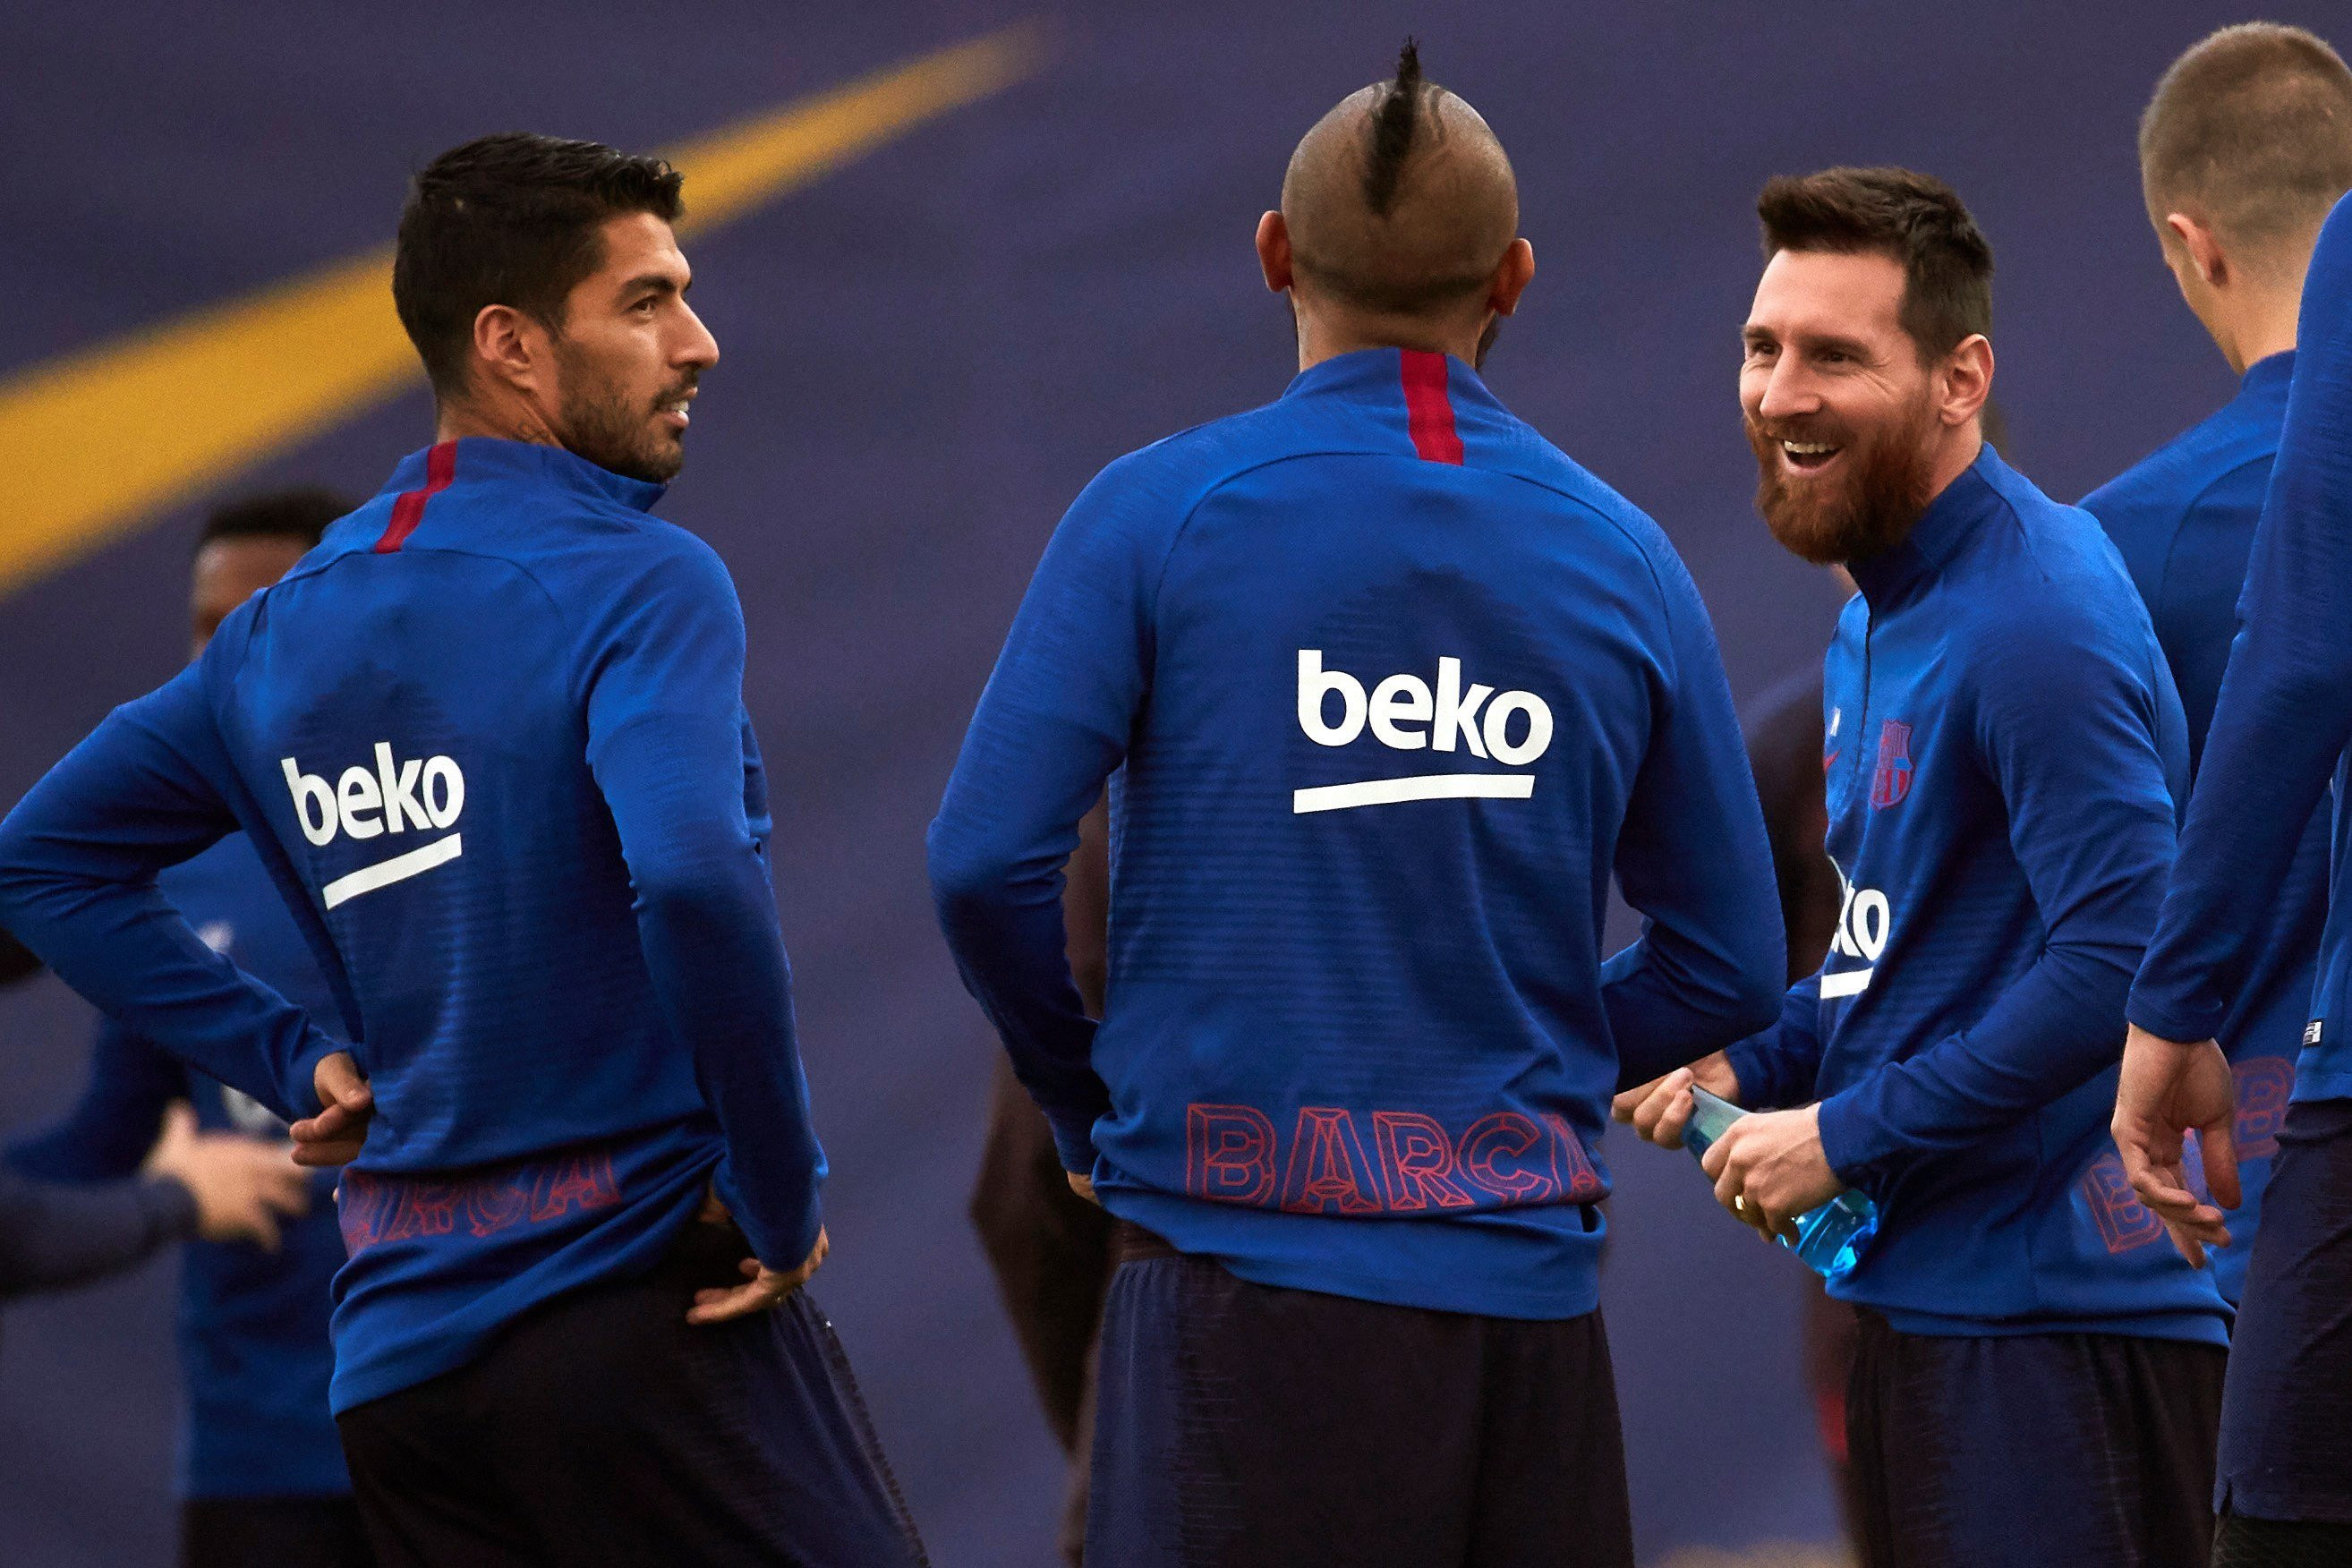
(927, 354)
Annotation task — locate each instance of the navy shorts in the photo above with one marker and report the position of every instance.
(601, 1431)
(2287, 1417)
(2063, 1450)
(1241, 1425)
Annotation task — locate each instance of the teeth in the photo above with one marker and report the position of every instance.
(1807, 449)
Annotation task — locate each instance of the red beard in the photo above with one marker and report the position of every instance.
(1868, 511)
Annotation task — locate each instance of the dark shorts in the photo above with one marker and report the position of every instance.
(1241, 1425)
(2287, 1417)
(2057, 1450)
(603, 1428)
(272, 1533)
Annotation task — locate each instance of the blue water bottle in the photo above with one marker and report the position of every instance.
(1829, 1238)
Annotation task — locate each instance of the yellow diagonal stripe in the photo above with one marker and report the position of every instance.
(110, 437)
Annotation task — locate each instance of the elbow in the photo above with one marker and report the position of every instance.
(970, 878)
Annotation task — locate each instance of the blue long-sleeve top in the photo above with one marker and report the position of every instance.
(253, 1323)
(2280, 723)
(54, 1236)
(2003, 744)
(1390, 687)
(489, 741)
(2184, 519)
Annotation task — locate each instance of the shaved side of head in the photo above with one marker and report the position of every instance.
(1401, 200)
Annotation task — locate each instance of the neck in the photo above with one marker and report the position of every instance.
(1326, 335)
(1958, 452)
(503, 418)
(2261, 325)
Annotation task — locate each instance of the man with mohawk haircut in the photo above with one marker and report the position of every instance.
(1386, 689)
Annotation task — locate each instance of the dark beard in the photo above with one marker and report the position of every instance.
(1870, 514)
(601, 425)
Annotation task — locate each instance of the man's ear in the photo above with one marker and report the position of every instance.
(509, 348)
(1967, 379)
(1273, 251)
(1517, 270)
(2203, 250)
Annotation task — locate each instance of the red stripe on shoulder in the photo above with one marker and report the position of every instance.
(1429, 411)
(440, 467)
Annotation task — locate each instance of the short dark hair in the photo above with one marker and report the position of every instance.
(299, 516)
(1911, 217)
(2252, 130)
(510, 220)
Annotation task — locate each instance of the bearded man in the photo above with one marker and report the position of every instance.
(2038, 1377)
(489, 740)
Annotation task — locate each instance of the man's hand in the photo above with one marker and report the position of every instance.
(346, 1105)
(1769, 1168)
(2167, 1087)
(1662, 1108)
(1084, 1186)
(241, 1185)
(763, 1289)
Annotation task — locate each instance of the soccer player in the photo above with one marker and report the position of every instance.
(262, 1479)
(2246, 143)
(2032, 1384)
(490, 740)
(1390, 687)
(2279, 730)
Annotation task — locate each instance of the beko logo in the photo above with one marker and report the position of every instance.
(391, 798)
(1406, 714)
(1863, 922)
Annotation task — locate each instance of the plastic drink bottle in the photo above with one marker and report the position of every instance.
(1829, 1238)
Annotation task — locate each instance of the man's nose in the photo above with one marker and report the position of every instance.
(1789, 393)
(698, 350)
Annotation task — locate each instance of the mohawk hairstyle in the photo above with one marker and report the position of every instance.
(1392, 122)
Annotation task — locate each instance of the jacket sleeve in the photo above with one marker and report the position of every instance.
(52, 1236)
(666, 745)
(1051, 726)
(1693, 858)
(1777, 1066)
(110, 1130)
(77, 862)
(2285, 709)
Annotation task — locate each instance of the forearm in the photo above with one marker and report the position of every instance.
(2060, 1026)
(1780, 1067)
(54, 1237)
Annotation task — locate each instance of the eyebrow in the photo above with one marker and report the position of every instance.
(654, 282)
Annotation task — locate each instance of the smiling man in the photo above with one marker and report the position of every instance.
(2035, 1382)
(490, 740)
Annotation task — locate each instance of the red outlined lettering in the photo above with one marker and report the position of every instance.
(585, 1183)
(1327, 1165)
(2123, 1220)
(1584, 1182)
(1509, 1136)
(1228, 1153)
(1417, 1161)
(2264, 1086)
(381, 1208)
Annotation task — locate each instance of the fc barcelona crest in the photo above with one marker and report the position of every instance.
(1892, 782)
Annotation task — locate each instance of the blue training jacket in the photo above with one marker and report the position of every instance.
(2002, 745)
(1391, 688)
(2281, 722)
(254, 1351)
(2184, 519)
(490, 740)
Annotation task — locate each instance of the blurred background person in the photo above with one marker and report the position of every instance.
(2244, 146)
(1049, 1248)
(261, 1476)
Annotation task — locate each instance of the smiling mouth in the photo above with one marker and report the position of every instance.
(674, 411)
(1806, 457)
